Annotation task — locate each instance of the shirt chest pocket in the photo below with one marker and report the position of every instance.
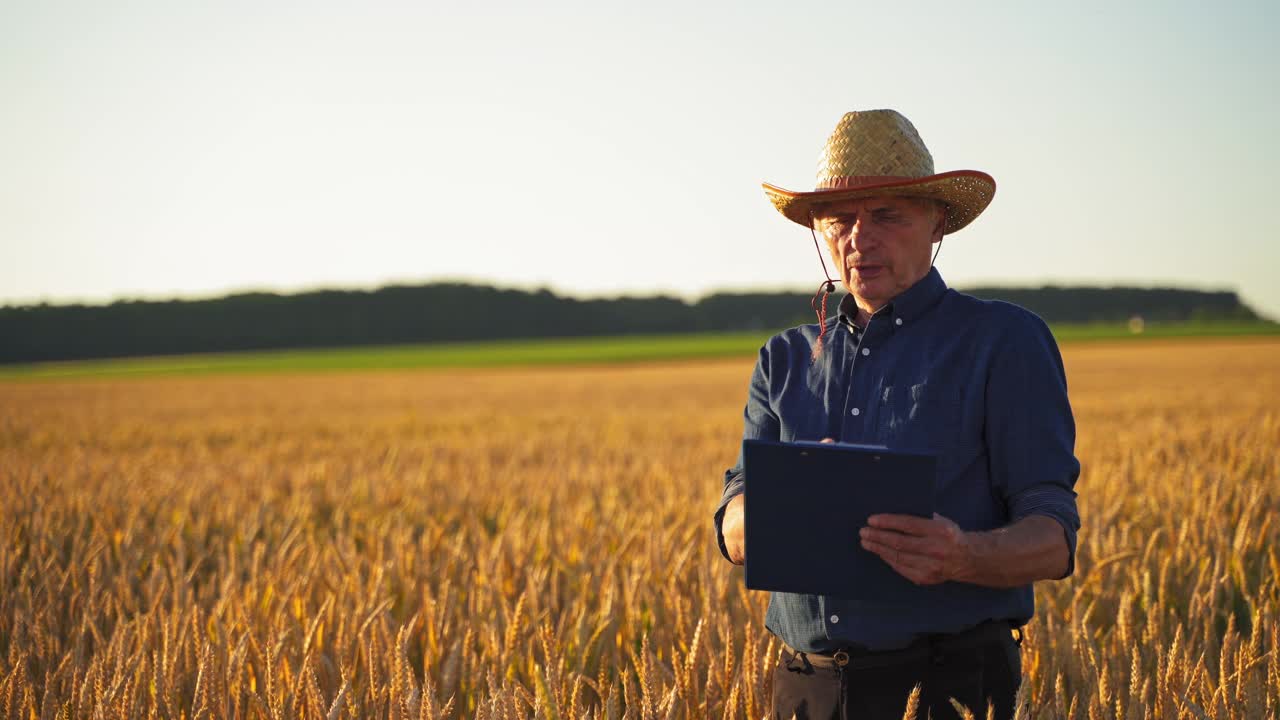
(921, 416)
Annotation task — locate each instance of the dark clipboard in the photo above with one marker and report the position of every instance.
(804, 505)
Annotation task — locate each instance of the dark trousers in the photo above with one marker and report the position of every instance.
(875, 686)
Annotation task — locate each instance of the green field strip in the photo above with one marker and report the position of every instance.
(515, 353)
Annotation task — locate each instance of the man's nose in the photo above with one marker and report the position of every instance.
(861, 236)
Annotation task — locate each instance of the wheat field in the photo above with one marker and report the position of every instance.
(537, 543)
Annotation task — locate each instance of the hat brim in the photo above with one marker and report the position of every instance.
(966, 192)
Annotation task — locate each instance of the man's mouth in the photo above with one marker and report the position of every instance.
(868, 271)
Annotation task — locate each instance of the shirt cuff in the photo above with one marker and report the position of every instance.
(1055, 502)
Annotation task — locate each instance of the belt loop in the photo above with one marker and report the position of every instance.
(802, 657)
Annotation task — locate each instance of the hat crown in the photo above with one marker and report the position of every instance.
(873, 143)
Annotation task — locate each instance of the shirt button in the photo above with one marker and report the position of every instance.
(866, 351)
(835, 619)
(897, 321)
(856, 412)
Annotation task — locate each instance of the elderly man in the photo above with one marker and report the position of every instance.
(908, 363)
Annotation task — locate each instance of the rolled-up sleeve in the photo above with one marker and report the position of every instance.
(1030, 431)
(759, 423)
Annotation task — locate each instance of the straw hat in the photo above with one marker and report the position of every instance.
(879, 152)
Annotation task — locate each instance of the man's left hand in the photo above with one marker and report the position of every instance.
(924, 551)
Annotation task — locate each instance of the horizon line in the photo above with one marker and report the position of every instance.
(689, 297)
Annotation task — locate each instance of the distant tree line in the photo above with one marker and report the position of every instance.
(446, 312)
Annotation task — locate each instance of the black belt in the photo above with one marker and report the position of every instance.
(926, 647)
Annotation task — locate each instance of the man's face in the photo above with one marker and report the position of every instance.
(881, 244)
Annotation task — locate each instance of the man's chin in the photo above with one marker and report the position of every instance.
(869, 291)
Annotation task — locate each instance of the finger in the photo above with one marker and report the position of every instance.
(907, 572)
(945, 521)
(900, 541)
(902, 557)
(904, 523)
(827, 440)
(916, 575)
(917, 568)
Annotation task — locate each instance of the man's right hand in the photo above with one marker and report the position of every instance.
(731, 525)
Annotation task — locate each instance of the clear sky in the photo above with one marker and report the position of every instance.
(164, 148)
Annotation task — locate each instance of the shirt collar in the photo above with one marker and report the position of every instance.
(907, 306)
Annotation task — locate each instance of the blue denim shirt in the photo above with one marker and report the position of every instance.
(980, 384)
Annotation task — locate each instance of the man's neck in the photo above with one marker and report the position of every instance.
(865, 311)
(867, 308)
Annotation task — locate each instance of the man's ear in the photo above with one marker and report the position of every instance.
(941, 225)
